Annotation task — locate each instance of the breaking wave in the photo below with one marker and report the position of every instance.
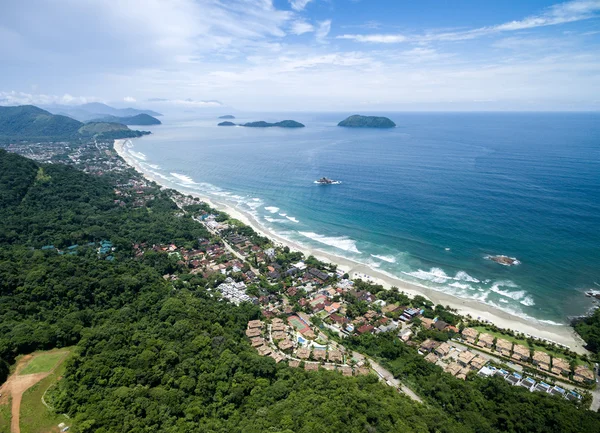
(272, 209)
(185, 179)
(292, 219)
(340, 242)
(389, 259)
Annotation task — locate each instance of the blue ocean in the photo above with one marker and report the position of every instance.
(427, 201)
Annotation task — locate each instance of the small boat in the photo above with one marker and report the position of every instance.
(327, 181)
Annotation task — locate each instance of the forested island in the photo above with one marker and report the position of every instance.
(138, 119)
(358, 121)
(282, 124)
(227, 116)
(226, 123)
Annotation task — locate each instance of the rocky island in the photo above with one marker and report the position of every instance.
(227, 116)
(358, 121)
(504, 260)
(282, 124)
(226, 123)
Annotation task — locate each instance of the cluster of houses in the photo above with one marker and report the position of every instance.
(457, 363)
(539, 359)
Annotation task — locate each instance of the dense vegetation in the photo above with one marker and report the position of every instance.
(226, 123)
(138, 119)
(33, 123)
(282, 124)
(358, 121)
(589, 329)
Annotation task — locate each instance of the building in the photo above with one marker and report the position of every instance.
(560, 366)
(557, 390)
(264, 350)
(311, 366)
(366, 329)
(443, 349)
(335, 355)
(440, 325)
(513, 378)
(486, 340)
(410, 314)
(346, 371)
(255, 324)
(253, 332)
(542, 387)
(541, 359)
(277, 357)
(583, 374)
(285, 344)
(501, 372)
(319, 354)
(470, 335)
(428, 345)
(478, 362)
(303, 353)
(487, 371)
(520, 353)
(294, 363)
(528, 383)
(279, 335)
(453, 368)
(405, 334)
(503, 347)
(465, 358)
(427, 323)
(431, 357)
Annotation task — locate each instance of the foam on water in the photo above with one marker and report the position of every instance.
(463, 276)
(461, 286)
(292, 219)
(282, 214)
(272, 209)
(185, 179)
(435, 275)
(137, 155)
(389, 259)
(340, 242)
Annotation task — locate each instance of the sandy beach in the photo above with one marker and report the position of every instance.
(562, 334)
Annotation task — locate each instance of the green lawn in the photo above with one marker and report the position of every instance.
(5, 416)
(35, 417)
(43, 362)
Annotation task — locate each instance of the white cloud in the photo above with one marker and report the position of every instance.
(299, 5)
(129, 99)
(562, 13)
(301, 27)
(323, 30)
(23, 98)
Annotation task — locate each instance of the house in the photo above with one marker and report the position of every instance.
(346, 371)
(285, 344)
(303, 353)
(443, 349)
(370, 315)
(431, 357)
(513, 378)
(528, 383)
(338, 319)
(557, 390)
(520, 352)
(328, 367)
(486, 371)
(320, 275)
(279, 335)
(311, 366)
(462, 374)
(453, 368)
(319, 354)
(428, 345)
(277, 327)
(465, 358)
(335, 355)
(257, 341)
(264, 350)
(362, 371)
(333, 307)
(410, 314)
(583, 374)
(440, 325)
(560, 366)
(292, 291)
(470, 335)
(501, 372)
(253, 332)
(541, 359)
(427, 323)
(365, 329)
(255, 324)
(405, 334)
(294, 363)
(276, 356)
(503, 347)
(542, 387)
(572, 395)
(486, 340)
(478, 362)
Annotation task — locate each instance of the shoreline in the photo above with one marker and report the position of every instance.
(563, 334)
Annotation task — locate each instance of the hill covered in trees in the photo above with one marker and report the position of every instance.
(138, 119)
(358, 121)
(282, 124)
(27, 122)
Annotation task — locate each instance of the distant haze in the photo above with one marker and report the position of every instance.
(312, 55)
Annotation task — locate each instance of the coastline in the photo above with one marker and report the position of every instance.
(562, 334)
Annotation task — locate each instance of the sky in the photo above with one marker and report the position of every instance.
(303, 55)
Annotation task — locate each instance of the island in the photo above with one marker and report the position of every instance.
(358, 121)
(227, 116)
(504, 260)
(226, 124)
(282, 124)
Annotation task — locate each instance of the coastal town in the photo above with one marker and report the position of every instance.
(311, 309)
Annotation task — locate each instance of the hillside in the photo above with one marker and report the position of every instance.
(358, 121)
(138, 119)
(282, 124)
(96, 110)
(28, 122)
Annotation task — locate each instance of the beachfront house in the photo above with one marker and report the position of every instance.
(560, 366)
(520, 353)
(542, 360)
(470, 335)
(503, 347)
(486, 340)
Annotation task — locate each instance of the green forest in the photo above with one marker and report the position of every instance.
(153, 355)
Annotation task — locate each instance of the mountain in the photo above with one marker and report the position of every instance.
(30, 122)
(227, 116)
(282, 124)
(358, 121)
(138, 119)
(226, 124)
(96, 110)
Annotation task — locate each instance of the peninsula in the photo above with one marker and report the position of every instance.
(282, 124)
(358, 121)
(138, 119)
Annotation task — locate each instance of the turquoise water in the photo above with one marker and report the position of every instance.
(426, 201)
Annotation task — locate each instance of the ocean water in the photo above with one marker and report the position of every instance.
(427, 201)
